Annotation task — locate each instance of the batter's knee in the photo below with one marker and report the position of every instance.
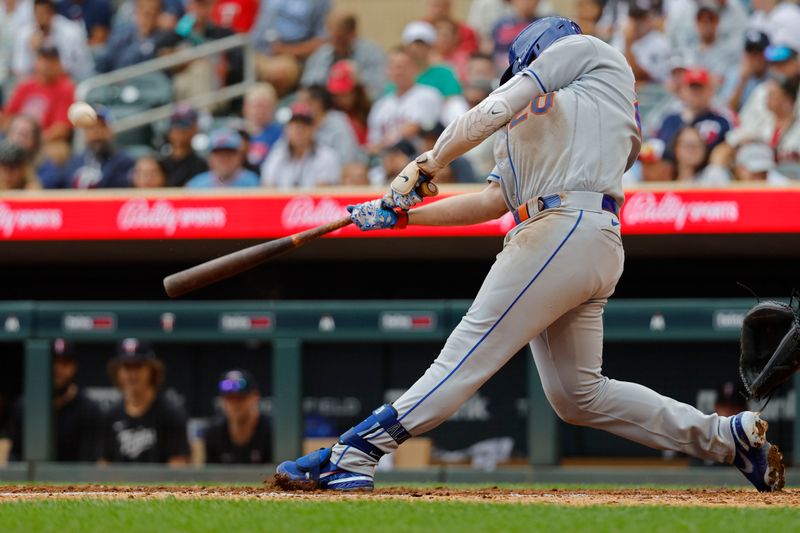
(574, 406)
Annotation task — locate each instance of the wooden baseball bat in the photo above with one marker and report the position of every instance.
(229, 265)
(237, 262)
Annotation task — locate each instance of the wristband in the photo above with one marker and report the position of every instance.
(402, 219)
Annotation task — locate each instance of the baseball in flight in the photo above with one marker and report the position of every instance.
(81, 115)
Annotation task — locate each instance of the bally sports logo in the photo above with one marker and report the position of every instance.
(140, 214)
(32, 219)
(646, 208)
(304, 212)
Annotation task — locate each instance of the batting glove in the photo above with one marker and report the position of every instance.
(401, 201)
(376, 215)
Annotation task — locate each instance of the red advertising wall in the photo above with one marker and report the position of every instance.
(79, 218)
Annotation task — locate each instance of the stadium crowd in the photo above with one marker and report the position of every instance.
(717, 81)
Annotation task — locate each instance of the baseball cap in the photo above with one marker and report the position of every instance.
(103, 114)
(433, 130)
(640, 8)
(419, 31)
(236, 381)
(403, 147)
(301, 113)
(696, 76)
(708, 6)
(63, 349)
(779, 53)
(225, 139)
(48, 50)
(755, 41)
(131, 351)
(342, 77)
(11, 155)
(184, 117)
(756, 157)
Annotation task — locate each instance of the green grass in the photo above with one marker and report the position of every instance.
(239, 516)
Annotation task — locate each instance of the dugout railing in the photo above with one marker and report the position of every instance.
(287, 325)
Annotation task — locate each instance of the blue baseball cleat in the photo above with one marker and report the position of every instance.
(316, 471)
(759, 461)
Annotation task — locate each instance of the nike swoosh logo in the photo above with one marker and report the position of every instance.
(496, 112)
(405, 178)
(748, 465)
(614, 223)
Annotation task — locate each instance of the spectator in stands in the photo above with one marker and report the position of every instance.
(16, 172)
(691, 155)
(483, 16)
(332, 126)
(739, 84)
(297, 161)
(507, 28)
(419, 38)
(242, 434)
(94, 15)
(696, 93)
(707, 48)
(170, 12)
(148, 173)
(145, 426)
(731, 28)
(775, 17)
(777, 125)
(287, 32)
(240, 126)
(46, 97)
(77, 418)
(587, 15)
(350, 97)
(24, 131)
(459, 170)
(259, 115)
(465, 38)
(755, 161)
(14, 14)
(447, 50)
(482, 67)
(201, 75)
(181, 162)
(136, 41)
(344, 43)
(402, 113)
(393, 160)
(49, 29)
(355, 174)
(225, 163)
(236, 15)
(645, 47)
(101, 165)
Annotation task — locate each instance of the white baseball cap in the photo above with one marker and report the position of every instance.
(756, 157)
(419, 30)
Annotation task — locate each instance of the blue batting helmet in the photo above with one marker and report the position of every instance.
(535, 39)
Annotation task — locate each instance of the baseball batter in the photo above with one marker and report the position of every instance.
(569, 127)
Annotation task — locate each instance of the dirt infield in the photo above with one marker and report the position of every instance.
(573, 497)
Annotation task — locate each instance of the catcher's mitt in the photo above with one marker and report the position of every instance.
(770, 347)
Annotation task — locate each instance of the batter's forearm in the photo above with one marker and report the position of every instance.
(461, 210)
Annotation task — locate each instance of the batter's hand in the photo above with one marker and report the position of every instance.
(376, 215)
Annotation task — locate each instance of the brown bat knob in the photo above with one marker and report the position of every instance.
(428, 188)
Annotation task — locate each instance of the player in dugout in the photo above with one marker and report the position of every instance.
(76, 416)
(242, 434)
(145, 426)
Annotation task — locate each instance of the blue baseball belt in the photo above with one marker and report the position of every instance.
(588, 201)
